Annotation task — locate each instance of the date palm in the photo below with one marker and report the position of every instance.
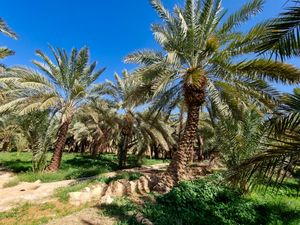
(201, 60)
(63, 87)
(279, 153)
(120, 92)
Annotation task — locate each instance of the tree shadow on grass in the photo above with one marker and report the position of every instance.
(277, 214)
(122, 210)
(17, 165)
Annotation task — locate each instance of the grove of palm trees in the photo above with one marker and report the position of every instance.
(201, 129)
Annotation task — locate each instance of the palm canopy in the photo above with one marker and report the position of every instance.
(6, 30)
(4, 52)
(195, 43)
(120, 90)
(63, 85)
(281, 35)
(279, 151)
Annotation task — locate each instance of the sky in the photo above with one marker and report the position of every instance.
(111, 29)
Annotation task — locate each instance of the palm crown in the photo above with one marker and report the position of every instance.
(64, 86)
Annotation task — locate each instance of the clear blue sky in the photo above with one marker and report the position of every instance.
(111, 29)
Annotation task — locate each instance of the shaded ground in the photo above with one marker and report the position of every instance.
(88, 216)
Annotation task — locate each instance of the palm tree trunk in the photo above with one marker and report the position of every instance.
(194, 95)
(5, 146)
(177, 167)
(123, 152)
(59, 147)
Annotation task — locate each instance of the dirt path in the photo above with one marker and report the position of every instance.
(41, 192)
(28, 192)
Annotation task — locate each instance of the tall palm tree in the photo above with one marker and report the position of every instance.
(63, 87)
(201, 60)
(4, 52)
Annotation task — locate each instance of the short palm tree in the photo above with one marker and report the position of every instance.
(4, 52)
(279, 151)
(63, 87)
(201, 60)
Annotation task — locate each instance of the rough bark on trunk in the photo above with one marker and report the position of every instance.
(194, 94)
(125, 139)
(59, 147)
(177, 167)
(5, 146)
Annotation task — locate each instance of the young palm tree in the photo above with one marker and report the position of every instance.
(279, 153)
(201, 61)
(63, 87)
(4, 52)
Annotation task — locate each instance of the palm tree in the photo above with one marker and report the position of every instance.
(63, 87)
(4, 52)
(201, 60)
(95, 126)
(11, 133)
(279, 151)
(153, 132)
(120, 91)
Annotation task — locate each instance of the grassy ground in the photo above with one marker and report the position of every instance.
(73, 166)
(37, 214)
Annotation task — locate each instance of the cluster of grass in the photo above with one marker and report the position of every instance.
(74, 166)
(63, 193)
(207, 201)
(123, 175)
(36, 214)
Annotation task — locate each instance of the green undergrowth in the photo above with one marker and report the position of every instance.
(207, 201)
(130, 176)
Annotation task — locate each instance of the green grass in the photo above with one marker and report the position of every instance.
(74, 166)
(63, 193)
